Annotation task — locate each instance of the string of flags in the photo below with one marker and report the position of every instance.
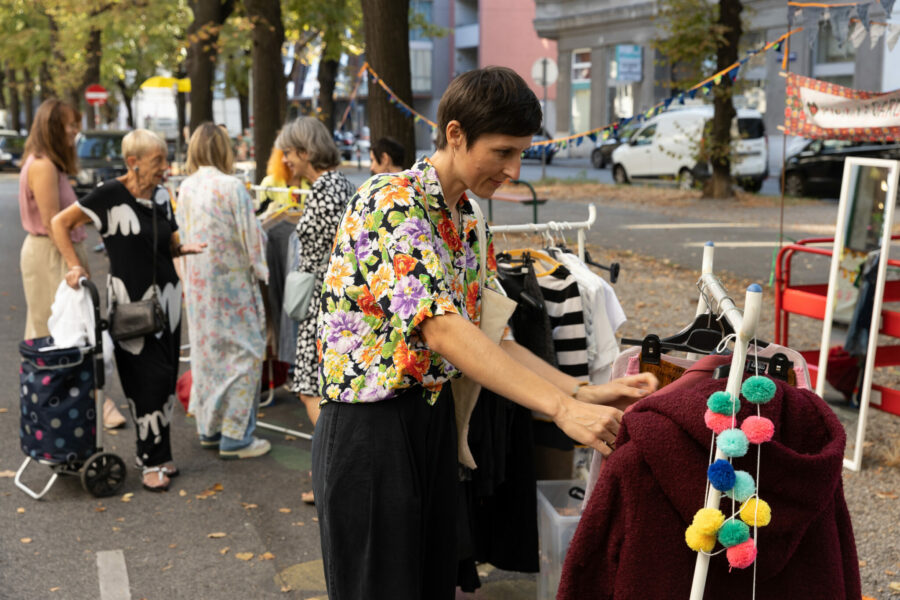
(844, 26)
(399, 104)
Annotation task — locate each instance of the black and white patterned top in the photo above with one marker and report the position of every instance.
(316, 229)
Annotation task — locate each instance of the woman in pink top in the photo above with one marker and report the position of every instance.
(44, 190)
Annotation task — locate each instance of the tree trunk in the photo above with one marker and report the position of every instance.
(128, 98)
(327, 75)
(181, 111)
(93, 51)
(720, 184)
(2, 87)
(386, 22)
(13, 86)
(203, 36)
(46, 82)
(268, 77)
(28, 98)
(244, 103)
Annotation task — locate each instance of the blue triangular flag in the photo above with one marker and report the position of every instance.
(667, 102)
(888, 6)
(862, 11)
(734, 73)
(593, 137)
(811, 16)
(840, 23)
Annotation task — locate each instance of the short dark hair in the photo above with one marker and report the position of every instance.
(391, 147)
(488, 100)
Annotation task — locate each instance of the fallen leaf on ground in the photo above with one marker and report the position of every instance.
(25, 540)
(863, 563)
(217, 534)
(284, 510)
(111, 432)
(54, 589)
(316, 519)
(286, 588)
(218, 487)
(266, 556)
(99, 509)
(224, 550)
(894, 586)
(889, 572)
(298, 523)
(244, 555)
(20, 510)
(182, 493)
(167, 567)
(7, 473)
(120, 520)
(289, 438)
(3, 410)
(886, 495)
(173, 546)
(127, 497)
(249, 505)
(259, 415)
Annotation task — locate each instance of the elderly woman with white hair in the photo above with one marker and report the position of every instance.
(129, 212)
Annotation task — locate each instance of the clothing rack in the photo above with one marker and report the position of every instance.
(713, 295)
(554, 227)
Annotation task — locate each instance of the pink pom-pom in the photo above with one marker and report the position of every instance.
(758, 429)
(717, 422)
(742, 555)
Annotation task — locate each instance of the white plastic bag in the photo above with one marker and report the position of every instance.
(71, 322)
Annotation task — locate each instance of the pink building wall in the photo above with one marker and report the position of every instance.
(508, 39)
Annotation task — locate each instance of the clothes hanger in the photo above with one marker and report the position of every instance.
(702, 336)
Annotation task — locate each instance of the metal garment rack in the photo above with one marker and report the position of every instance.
(713, 292)
(554, 227)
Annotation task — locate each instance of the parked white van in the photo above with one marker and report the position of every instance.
(667, 144)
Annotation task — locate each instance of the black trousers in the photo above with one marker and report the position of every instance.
(385, 480)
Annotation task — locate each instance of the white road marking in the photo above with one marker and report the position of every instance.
(773, 244)
(690, 225)
(113, 575)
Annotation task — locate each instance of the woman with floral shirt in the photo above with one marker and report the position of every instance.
(398, 319)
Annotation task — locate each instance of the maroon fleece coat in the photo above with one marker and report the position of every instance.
(630, 544)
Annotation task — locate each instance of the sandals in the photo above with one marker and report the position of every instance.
(163, 479)
(169, 469)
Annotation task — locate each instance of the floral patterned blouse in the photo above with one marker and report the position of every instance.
(398, 259)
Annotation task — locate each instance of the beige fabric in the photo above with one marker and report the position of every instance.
(42, 268)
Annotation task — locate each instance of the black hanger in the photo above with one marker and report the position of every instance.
(776, 366)
(613, 268)
(702, 336)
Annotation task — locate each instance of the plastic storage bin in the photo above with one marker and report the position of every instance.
(558, 516)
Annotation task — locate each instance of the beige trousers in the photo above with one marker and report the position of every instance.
(43, 268)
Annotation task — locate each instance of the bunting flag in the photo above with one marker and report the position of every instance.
(818, 109)
(858, 34)
(810, 22)
(840, 21)
(888, 6)
(891, 39)
(862, 11)
(875, 33)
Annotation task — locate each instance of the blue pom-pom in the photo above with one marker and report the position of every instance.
(722, 403)
(733, 442)
(733, 532)
(721, 475)
(744, 486)
(758, 389)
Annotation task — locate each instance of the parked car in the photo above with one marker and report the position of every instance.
(666, 146)
(601, 156)
(817, 169)
(345, 143)
(11, 147)
(99, 158)
(547, 150)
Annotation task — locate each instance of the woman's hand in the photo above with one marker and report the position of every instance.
(185, 249)
(621, 392)
(74, 276)
(589, 423)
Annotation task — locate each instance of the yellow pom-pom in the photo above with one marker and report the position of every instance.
(756, 512)
(708, 521)
(697, 540)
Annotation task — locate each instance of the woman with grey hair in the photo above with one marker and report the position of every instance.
(129, 212)
(310, 152)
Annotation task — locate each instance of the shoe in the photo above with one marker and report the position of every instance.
(169, 468)
(163, 479)
(257, 447)
(112, 418)
(206, 442)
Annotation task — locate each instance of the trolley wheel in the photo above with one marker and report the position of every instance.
(103, 474)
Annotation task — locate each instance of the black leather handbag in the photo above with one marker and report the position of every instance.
(129, 320)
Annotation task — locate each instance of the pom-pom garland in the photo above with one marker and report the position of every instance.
(758, 389)
(723, 403)
(721, 475)
(708, 521)
(733, 533)
(744, 486)
(741, 556)
(733, 443)
(756, 512)
(758, 429)
(697, 540)
(717, 422)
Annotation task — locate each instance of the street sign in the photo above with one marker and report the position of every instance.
(96, 94)
(544, 71)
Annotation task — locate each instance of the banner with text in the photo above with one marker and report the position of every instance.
(818, 109)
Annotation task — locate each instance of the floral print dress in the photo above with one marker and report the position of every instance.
(225, 310)
(325, 206)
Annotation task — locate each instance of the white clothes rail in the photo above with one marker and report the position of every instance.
(713, 292)
(554, 227)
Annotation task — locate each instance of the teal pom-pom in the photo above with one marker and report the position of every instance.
(733, 532)
(721, 475)
(733, 442)
(744, 486)
(758, 389)
(722, 403)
